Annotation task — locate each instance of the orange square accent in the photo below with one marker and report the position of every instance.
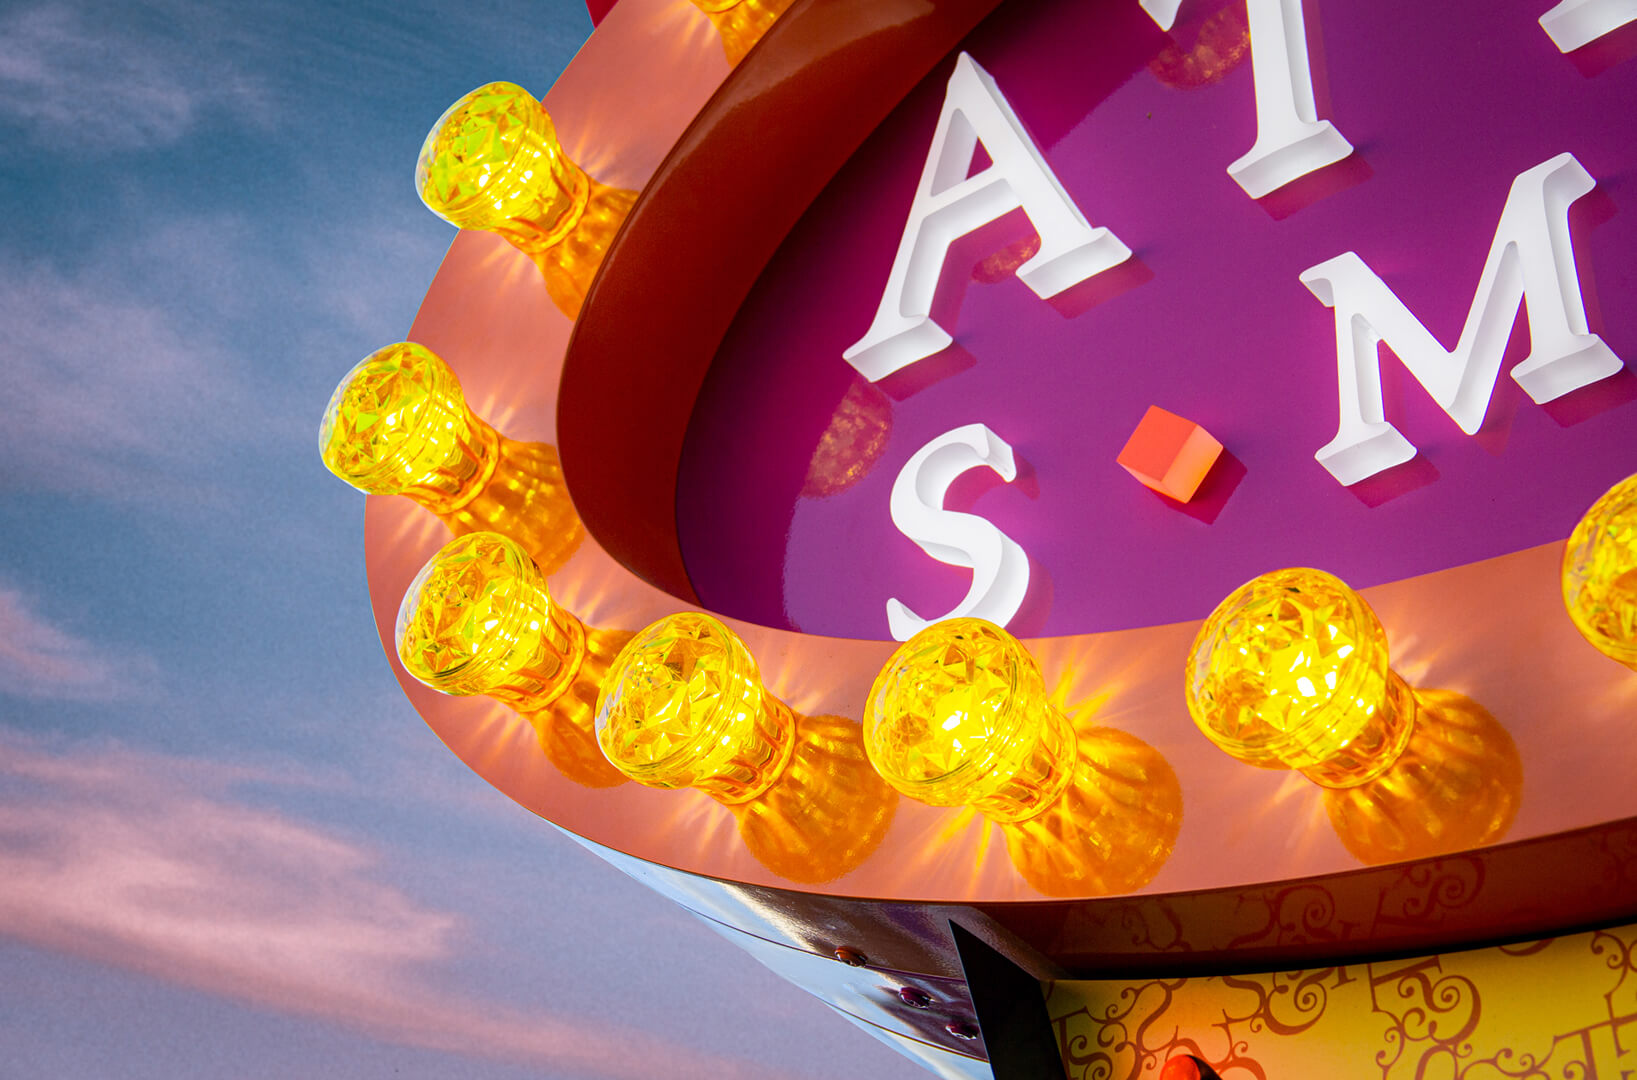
(1169, 453)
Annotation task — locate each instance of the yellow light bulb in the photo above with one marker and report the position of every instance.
(477, 620)
(741, 22)
(1600, 573)
(492, 162)
(959, 717)
(1290, 671)
(398, 425)
(683, 706)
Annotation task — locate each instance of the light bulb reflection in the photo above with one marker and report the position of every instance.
(525, 500)
(570, 265)
(826, 813)
(1456, 787)
(567, 725)
(1113, 828)
(1222, 44)
(741, 22)
(852, 442)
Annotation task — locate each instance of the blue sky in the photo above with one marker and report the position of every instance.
(228, 846)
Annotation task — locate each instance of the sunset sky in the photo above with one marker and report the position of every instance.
(228, 846)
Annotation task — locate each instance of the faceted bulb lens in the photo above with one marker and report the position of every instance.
(477, 614)
(959, 714)
(683, 706)
(1288, 670)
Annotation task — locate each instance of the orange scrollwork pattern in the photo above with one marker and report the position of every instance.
(1555, 1009)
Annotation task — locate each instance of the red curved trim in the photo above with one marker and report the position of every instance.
(720, 204)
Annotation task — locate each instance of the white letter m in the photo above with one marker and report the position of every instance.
(1532, 258)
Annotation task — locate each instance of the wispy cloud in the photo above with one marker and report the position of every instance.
(42, 661)
(103, 391)
(91, 84)
(150, 864)
(367, 275)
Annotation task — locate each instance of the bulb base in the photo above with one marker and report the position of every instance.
(1041, 776)
(1377, 746)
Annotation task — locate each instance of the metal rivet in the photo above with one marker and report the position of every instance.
(915, 997)
(851, 957)
(962, 1030)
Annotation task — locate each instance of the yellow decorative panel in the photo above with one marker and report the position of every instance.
(1559, 1009)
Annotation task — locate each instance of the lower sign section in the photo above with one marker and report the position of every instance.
(1561, 1007)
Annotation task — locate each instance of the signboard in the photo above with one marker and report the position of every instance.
(1457, 202)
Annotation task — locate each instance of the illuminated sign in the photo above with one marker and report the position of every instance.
(1147, 283)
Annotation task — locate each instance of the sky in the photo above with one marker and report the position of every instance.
(228, 845)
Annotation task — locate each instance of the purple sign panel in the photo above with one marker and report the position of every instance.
(783, 501)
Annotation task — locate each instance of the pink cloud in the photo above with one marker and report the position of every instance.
(39, 660)
(146, 863)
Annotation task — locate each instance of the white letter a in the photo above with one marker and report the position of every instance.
(949, 204)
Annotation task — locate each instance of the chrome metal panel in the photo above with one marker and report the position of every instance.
(944, 1065)
(932, 1010)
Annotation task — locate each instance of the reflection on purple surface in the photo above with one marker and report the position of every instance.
(1445, 104)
